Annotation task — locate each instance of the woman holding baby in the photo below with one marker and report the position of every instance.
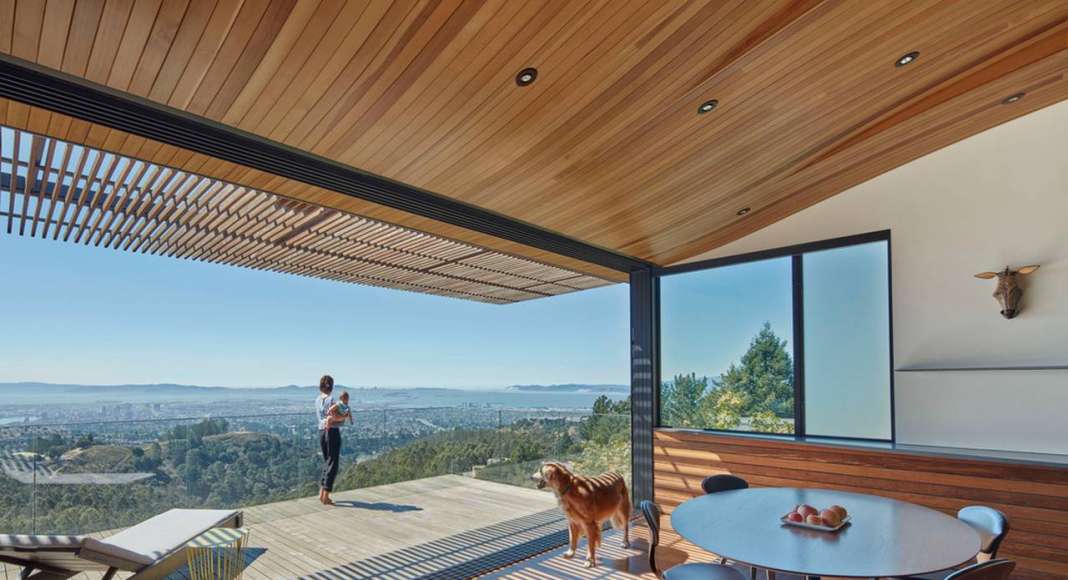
(331, 415)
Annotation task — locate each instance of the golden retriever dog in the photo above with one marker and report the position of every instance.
(587, 502)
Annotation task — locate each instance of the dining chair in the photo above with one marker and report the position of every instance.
(992, 527)
(723, 482)
(693, 571)
(989, 570)
(991, 524)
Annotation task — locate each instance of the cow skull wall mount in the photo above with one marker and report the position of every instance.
(1008, 291)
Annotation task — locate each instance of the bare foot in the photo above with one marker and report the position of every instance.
(590, 564)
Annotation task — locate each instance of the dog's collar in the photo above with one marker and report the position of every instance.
(570, 484)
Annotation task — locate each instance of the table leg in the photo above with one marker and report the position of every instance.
(771, 574)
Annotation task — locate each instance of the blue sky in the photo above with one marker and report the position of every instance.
(709, 317)
(96, 316)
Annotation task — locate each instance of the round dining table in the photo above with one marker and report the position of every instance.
(884, 537)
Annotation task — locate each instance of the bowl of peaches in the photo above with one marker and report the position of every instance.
(831, 519)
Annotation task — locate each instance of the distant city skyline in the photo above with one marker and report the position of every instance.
(88, 315)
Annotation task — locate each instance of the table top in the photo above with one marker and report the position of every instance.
(885, 537)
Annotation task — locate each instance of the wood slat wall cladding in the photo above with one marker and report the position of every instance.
(606, 146)
(1035, 498)
(52, 188)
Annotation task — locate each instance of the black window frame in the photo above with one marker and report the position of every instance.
(796, 253)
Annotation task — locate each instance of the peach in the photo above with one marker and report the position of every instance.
(807, 510)
(841, 511)
(795, 517)
(813, 520)
(830, 518)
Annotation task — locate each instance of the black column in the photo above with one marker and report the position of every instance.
(645, 371)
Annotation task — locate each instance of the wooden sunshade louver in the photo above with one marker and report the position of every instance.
(98, 198)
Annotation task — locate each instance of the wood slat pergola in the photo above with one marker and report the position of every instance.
(55, 189)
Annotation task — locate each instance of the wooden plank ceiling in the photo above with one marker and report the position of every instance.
(606, 146)
(52, 188)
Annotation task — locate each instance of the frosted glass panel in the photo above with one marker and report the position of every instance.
(847, 342)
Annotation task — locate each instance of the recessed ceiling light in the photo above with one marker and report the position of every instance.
(526, 76)
(743, 211)
(907, 58)
(707, 107)
(1013, 98)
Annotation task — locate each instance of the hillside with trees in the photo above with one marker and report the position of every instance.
(754, 394)
(600, 442)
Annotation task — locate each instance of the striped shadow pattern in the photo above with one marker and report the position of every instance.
(463, 555)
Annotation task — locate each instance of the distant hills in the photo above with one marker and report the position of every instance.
(528, 395)
(572, 388)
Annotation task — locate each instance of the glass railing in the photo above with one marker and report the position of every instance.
(89, 477)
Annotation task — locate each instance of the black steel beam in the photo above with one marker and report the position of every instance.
(645, 379)
(49, 89)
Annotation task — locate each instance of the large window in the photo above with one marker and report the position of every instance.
(725, 335)
(791, 341)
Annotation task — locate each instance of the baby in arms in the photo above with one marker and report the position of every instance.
(341, 409)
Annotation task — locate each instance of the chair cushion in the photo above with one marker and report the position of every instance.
(703, 572)
(153, 539)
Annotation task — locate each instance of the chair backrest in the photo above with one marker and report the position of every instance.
(651, 511)
(722, 482)
(991, 524)
(990, 570)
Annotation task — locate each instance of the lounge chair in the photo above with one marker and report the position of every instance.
(152, 549)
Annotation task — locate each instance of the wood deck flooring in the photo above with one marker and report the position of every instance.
(448, 526)
(442, 527)
(402, 530)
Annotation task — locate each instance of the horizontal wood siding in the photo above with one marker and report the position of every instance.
(1035, 498)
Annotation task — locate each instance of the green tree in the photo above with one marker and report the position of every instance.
(765, 375)
(756, 393)
(609, 422)
(767, 422)
(681, 401)
(723, 408)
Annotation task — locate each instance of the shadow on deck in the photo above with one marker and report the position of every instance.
(463, 555)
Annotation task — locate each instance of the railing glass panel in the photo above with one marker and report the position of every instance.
(91, 477)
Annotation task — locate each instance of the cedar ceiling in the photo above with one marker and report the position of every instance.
(606, 145)
(54, 188)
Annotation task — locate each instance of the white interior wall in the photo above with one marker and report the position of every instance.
(998, 198)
